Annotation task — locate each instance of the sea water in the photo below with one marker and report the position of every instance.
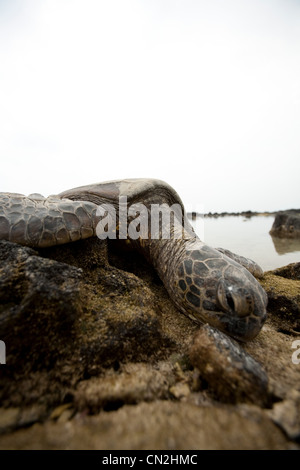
(249, 237)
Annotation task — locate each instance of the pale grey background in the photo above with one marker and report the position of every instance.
(204, 94)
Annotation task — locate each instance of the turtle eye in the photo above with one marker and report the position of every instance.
(230, 300)
(225, 297)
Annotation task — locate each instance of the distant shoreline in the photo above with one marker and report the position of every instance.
(247, 214)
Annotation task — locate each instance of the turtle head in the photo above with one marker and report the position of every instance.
(215, 289)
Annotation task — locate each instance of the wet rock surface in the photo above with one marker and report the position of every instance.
(98, 357)
(291, 271)
(287, 415)
(283, 289)
(159, 425)
(286, 224)
(230, 372)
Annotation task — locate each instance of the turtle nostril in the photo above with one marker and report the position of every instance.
(230, 300)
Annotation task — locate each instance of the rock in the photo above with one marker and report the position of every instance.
(180, 390)
(8, 419)
(133, 384)
(287, 415)
(98, 356)
(159, 425)
(291, 271)
(286, 225)
(230, 372)
(39, 304)
(12, 418)
(62, 322)
(284, 298)
(59, 327)
(273, 347)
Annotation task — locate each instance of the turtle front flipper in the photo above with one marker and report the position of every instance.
(247, 263)
(41, 222)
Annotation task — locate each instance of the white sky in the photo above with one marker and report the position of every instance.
(204, 94)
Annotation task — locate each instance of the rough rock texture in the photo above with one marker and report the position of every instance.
(230, 371)
(286, 224)
(287, 414)
(291, 271)
(283, 289)
(156, 425)
(98, 357)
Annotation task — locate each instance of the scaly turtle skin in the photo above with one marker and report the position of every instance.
(208, 285)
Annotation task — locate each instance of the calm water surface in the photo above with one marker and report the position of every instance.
(248, 237)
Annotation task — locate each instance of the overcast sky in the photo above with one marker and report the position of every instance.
(204, 94)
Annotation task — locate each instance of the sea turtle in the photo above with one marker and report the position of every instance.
(208, 285)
